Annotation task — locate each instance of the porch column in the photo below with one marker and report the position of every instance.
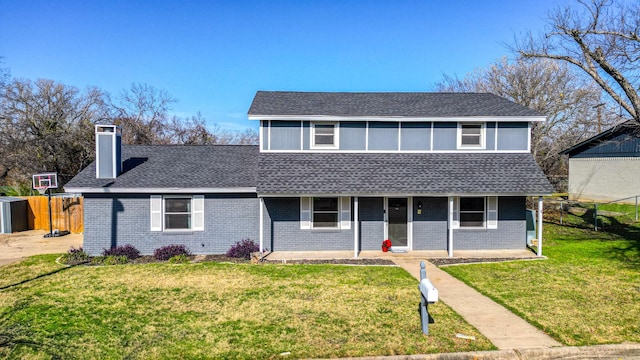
(261, 222)
(450, 246)
(540, 208)
(356, 227)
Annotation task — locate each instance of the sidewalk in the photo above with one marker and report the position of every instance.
(504, 329)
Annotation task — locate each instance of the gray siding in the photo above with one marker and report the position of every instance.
(265, 135)
(114, 220)
(430, 227)
(353, 135)
(491, 136)
(282, 230)
(621, 145)
(513, 136)
(105, 155)
(383, 136)
(371, 217)
(510, 234)
(306, 135)
(415, 136)
(445, 136)
(285, 135)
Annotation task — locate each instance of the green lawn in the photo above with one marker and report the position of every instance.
(214, 310)
(587, 292)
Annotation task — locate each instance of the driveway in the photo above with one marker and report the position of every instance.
(16, 246)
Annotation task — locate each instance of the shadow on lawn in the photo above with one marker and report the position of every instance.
(628, 253)
(39, 276)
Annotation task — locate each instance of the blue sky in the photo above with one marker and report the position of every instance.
(214, 55)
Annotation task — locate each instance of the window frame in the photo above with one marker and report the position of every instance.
(336, 136)
(165, 212)
(314, 212)
(482, 135)
(461, 212)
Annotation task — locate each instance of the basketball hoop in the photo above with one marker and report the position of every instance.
(41, 189)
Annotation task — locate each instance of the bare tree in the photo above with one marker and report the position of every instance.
(143, 113)
(601, 38)
(569, 102)
(46, 126)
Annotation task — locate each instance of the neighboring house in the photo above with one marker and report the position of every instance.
(333, 171)
(606, 167)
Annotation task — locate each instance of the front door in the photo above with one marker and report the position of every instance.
(397, 224)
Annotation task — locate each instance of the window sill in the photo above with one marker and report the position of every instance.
(178, 232)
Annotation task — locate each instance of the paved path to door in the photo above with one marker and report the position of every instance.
(504, 329)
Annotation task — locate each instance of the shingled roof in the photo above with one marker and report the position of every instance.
(400, 173)
(175, 167)
(384, 104)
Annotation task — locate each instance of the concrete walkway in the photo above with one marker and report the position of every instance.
(504, 329)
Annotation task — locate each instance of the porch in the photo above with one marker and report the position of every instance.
(417, 254)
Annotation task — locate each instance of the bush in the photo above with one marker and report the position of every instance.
(243, 249)
(167, 252)
(110, 260)
(74, 256)
(129, 251)
(179, 259)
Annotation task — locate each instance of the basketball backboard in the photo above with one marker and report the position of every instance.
(45, 180)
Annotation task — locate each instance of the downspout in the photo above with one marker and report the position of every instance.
(356, 228)
(261, 221)
(540, 208)
(450, 246)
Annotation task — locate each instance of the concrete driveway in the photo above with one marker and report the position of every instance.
(16, 246)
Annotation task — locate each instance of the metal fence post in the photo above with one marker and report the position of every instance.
(636, 208)
(424, 315)
(595, 217)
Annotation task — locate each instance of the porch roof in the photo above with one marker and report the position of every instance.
(400, 173)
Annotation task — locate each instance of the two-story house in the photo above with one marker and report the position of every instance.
(333, 171)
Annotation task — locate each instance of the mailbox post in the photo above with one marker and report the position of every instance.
(428, 295)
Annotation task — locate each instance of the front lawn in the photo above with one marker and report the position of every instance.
(587, 292)
(217, 310)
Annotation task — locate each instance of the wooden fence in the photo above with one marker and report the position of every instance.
(66, 213)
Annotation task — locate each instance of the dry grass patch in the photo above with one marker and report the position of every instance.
(212, 310)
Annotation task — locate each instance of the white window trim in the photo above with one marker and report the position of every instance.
(157, 212)
(336, 136)
(483, 136)
(490, 213)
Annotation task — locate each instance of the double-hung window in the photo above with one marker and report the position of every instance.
(177, 213)
(472, 212)
(324, 135)
(475, 212)
(471, 136)
(325, 213)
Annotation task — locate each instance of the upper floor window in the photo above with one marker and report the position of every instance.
(471, 136)
(324, 135)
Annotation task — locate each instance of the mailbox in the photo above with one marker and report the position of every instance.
(429, 292)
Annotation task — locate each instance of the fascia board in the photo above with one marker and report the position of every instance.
(173, 190)
(402, 118)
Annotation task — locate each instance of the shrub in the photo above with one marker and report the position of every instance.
(243, 249)
(167, 252)
(74, 256)
(179, 259)
(129, 251)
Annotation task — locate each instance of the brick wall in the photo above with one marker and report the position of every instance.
(510, 234)
(114, 220)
